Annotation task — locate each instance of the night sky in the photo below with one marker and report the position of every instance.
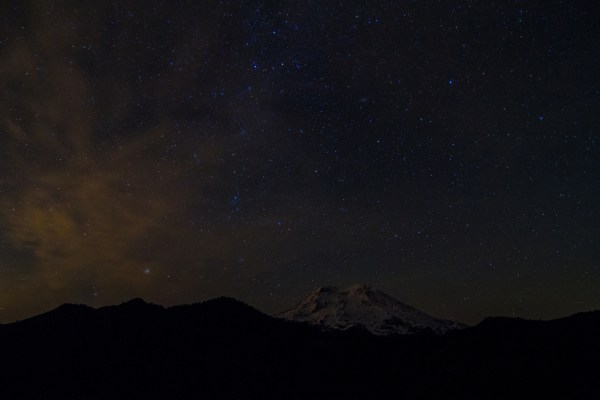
(445, 152)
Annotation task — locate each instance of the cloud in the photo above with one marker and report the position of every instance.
(83, 211)
(84, 220)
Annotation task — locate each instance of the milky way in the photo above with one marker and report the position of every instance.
(444, 152)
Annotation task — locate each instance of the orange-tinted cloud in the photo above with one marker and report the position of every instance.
(90, 218)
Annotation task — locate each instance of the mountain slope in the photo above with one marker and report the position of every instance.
(363, 306)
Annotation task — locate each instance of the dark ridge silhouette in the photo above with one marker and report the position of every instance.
(225, 349)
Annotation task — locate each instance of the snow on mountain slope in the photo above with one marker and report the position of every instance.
(361, 305)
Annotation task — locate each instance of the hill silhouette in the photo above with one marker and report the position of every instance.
(226, 349)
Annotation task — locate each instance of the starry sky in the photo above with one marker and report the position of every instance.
(446, 152)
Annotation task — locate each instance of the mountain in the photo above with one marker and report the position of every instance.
(225, 349)
(361, 306)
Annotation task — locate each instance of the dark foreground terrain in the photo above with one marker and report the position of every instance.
(226, 349)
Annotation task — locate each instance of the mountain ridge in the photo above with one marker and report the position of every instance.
(226, 349)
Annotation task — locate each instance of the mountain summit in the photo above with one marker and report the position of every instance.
(362, 306)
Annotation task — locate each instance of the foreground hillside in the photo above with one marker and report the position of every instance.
(226, 349)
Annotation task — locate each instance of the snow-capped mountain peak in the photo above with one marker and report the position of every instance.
(361, 305)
